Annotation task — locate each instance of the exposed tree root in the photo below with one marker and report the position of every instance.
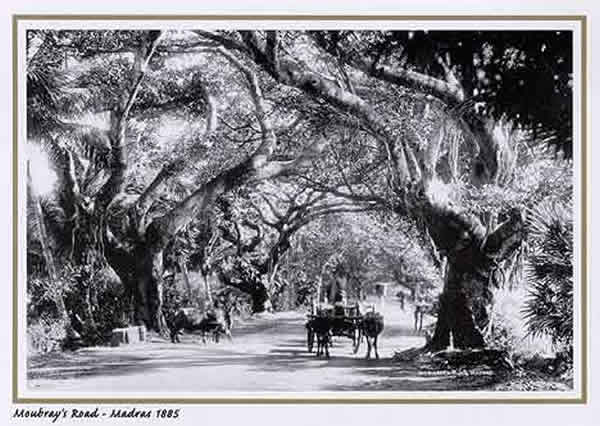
(457, 359)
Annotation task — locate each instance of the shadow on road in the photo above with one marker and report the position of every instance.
(268, 350)
(290, 355)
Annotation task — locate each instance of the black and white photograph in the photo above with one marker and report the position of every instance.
(300, 210)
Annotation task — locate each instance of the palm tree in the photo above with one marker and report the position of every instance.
(549, 308)
(63, 170)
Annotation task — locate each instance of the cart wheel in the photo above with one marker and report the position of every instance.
(310, 339)
(356, 339)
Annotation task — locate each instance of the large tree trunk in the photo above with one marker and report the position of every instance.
(149, 301)
(124, 263)
(456, 316)
(88, 254)
(472, 255)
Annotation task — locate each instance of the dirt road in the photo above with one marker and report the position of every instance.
(268, 354)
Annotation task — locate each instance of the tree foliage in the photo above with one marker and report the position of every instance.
(408, 150)
(549, 309)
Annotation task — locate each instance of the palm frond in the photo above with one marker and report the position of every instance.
(549, 307)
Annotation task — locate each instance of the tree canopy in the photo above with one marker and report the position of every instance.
(260, 156)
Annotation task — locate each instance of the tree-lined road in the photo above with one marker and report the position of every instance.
(268, 354)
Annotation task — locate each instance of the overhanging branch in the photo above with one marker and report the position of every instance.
(119, 116)
(176, 166)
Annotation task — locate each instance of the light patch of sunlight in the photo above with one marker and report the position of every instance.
(182, 62)
(172, 130)
(185, 61)
(42, 176)
(439, 192)
(100, 120)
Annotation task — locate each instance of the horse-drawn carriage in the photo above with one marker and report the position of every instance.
(341, 320)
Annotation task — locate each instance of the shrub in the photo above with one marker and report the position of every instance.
(42, 295)
(97, 299)
(46, 334)
(94, 301)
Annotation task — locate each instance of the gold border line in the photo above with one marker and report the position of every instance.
(303, 401)
(584, 212)
(300, 17)
(15, 200)
(582, 19)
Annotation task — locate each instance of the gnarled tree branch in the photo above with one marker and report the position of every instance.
(119, 116)
(149, 195)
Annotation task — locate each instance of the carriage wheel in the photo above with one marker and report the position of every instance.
(310, 339)
(356, 339)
